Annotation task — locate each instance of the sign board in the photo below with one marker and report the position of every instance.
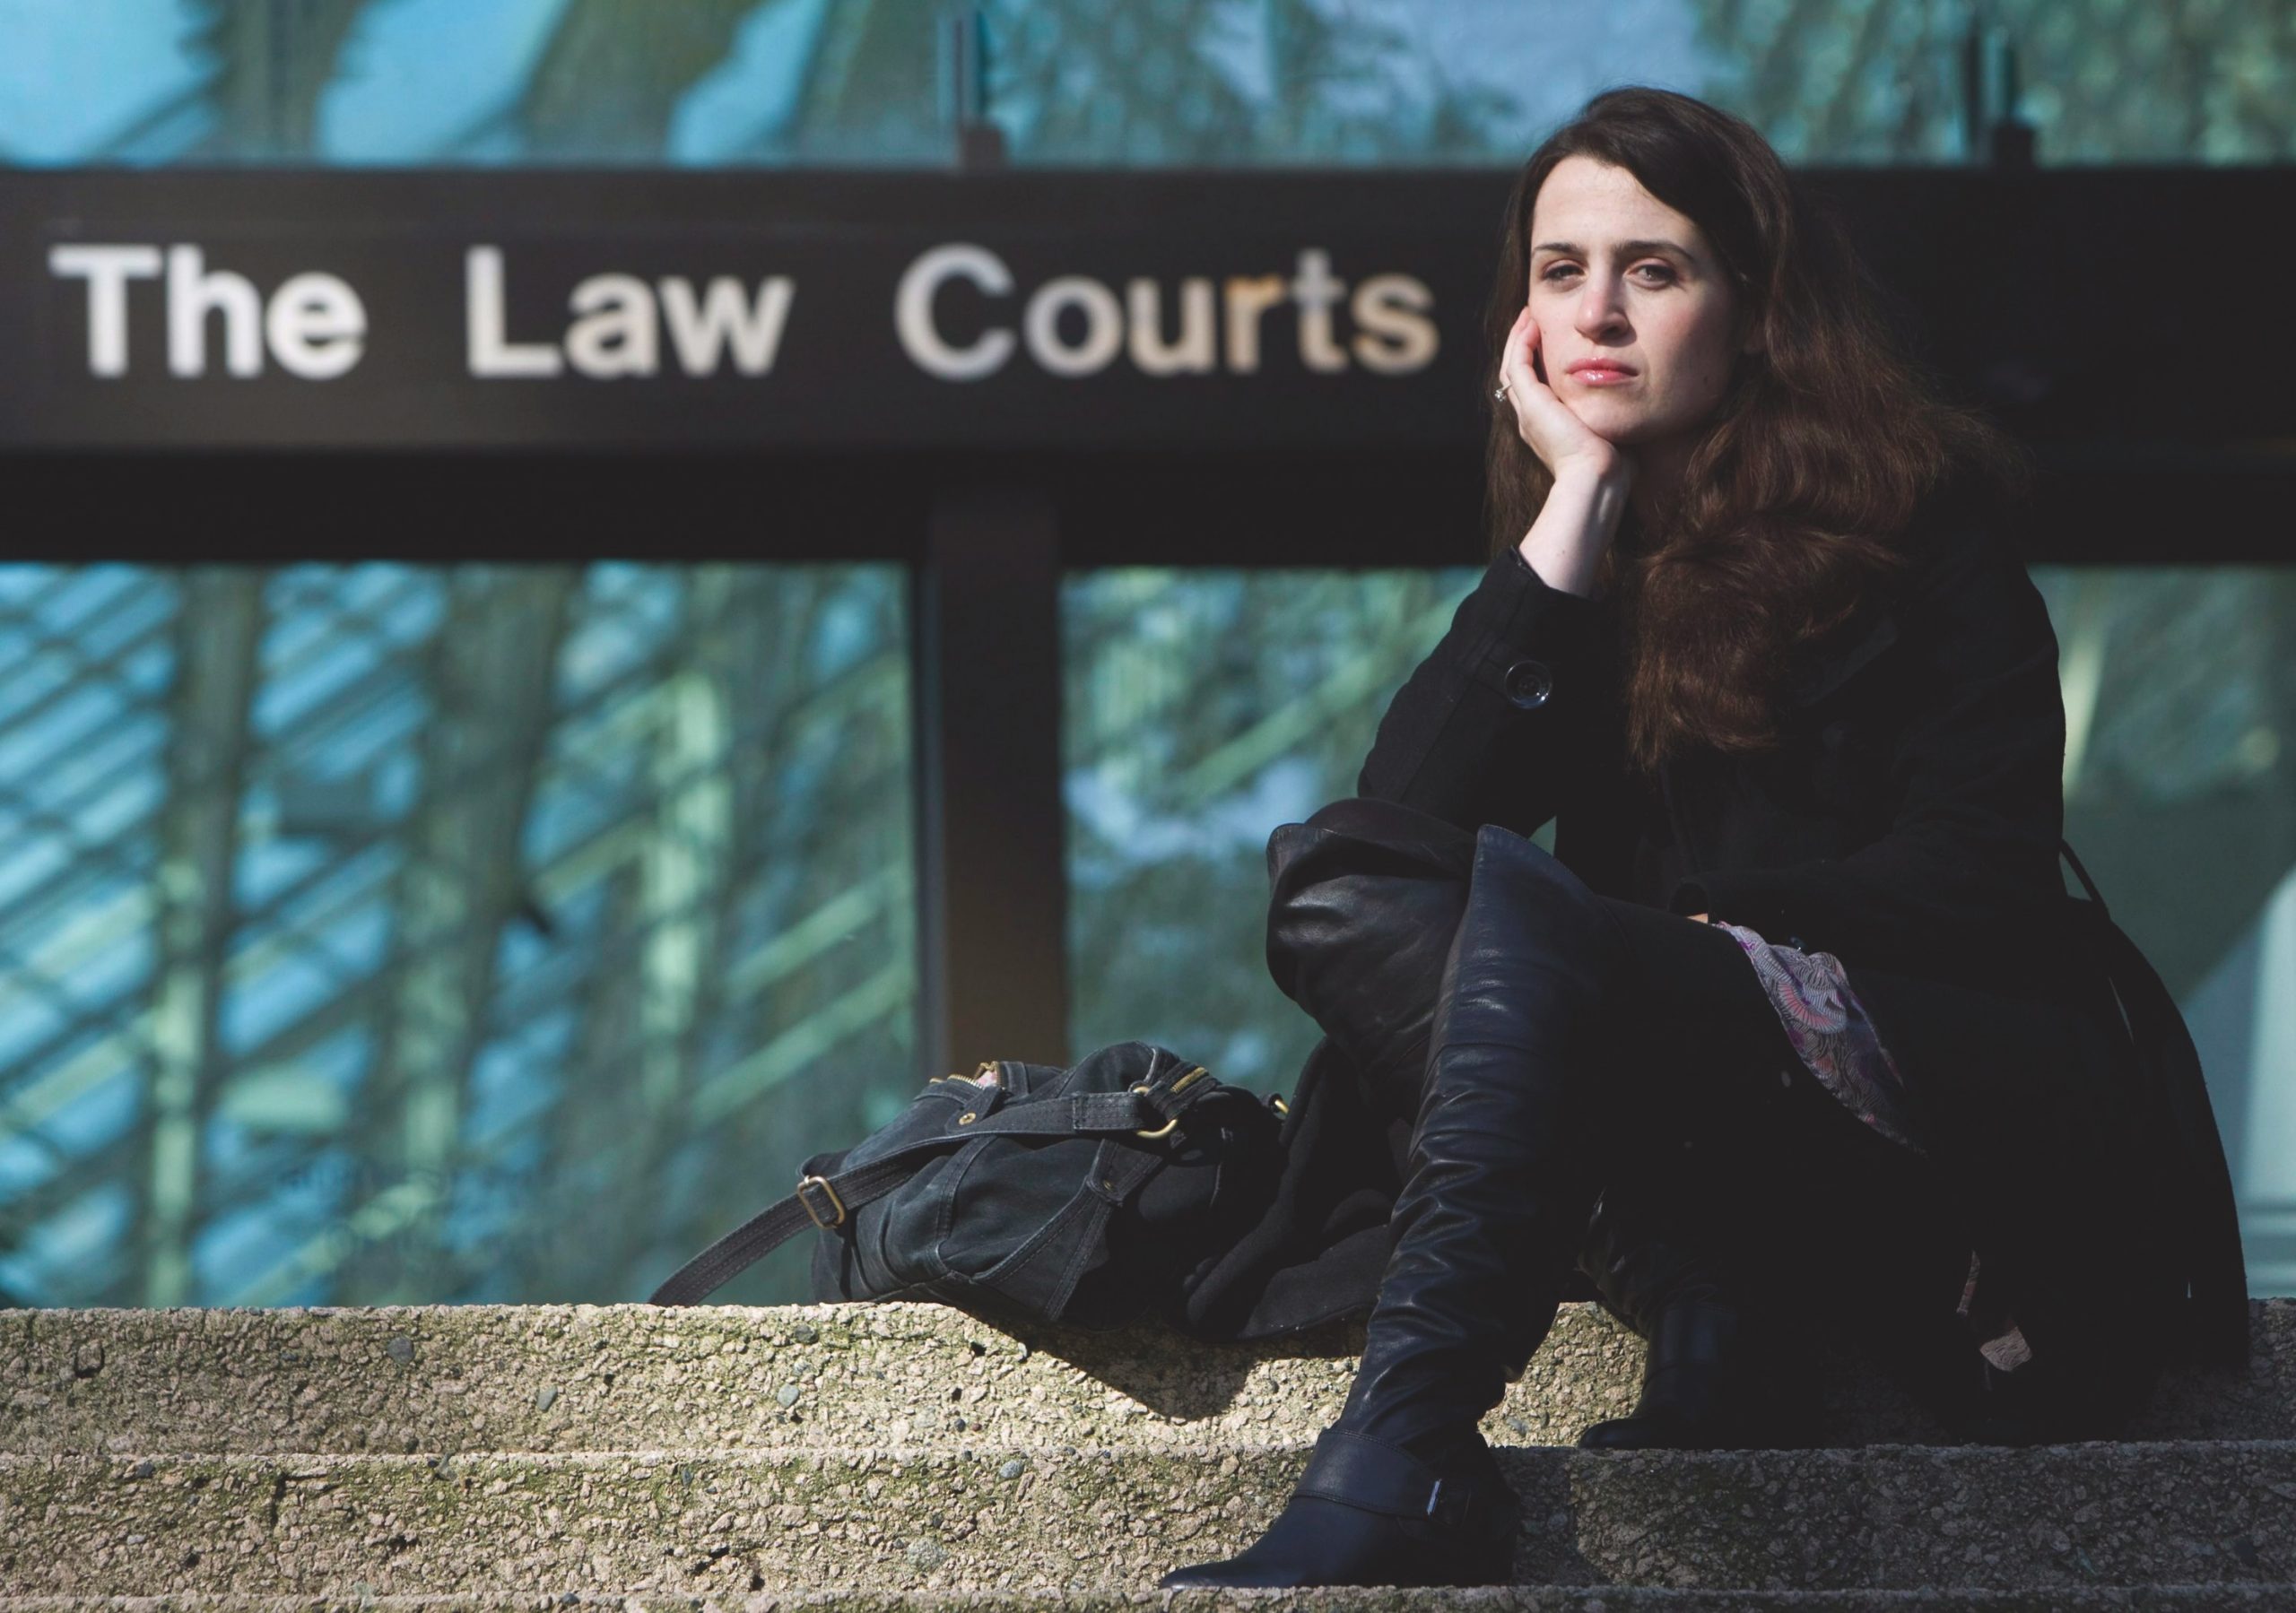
(418, 311)
(1025, 310)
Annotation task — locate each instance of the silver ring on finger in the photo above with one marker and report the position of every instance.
(1503, 391)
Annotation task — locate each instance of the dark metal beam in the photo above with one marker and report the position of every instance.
(2103, 505)
(219, 631)
(991, 880)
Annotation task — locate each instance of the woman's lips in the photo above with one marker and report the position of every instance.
(1597, 375)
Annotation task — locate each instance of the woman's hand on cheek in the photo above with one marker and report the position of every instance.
(1553, 432)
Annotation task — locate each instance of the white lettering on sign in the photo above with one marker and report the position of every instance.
(921, 339)
(1247, 299)
(1394, 335)
(619, 322)
(617, 334)
(1398, 337)
(1314, 290)
(107, 270)
(313, 325)
(704, 329)
(489, 355)
(1103, 325)
(1192, 353)
(193, 294)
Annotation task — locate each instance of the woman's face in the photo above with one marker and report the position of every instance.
(1619, 278)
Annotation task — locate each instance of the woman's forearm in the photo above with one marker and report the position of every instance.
(1575, 523)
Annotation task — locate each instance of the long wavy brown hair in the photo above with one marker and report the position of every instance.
(1824, 446)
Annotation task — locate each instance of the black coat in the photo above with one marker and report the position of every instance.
(1909, 823)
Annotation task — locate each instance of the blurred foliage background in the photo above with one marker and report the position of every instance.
(381, 934)
(1121, 82)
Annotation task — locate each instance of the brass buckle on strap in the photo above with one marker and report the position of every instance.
(806, 1204)
(1163, 1130)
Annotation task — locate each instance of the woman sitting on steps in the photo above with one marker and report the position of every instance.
(1788, 1030)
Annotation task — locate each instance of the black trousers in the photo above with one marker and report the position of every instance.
(1713, 1136)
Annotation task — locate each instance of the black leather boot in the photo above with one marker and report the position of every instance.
(1633, 1264)
(1703, 1389)
(1709, 1382)
(1402, 1490)
(1637, 1274)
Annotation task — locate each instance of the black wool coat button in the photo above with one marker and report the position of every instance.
(1528, 683)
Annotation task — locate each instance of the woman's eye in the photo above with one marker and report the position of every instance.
(1660, 273)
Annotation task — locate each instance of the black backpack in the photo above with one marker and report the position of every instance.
(1086, 1195)
(2213, 1317)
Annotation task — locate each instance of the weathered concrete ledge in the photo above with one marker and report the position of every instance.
(1527, 1598)
(716, 1523)
(449, 1378)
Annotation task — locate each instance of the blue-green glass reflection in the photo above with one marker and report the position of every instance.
(1201, 710)
(1146, 82)
(393, 935)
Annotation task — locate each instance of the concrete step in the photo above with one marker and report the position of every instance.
(2047, 1520)
(566, 1378)
(1528, 1598)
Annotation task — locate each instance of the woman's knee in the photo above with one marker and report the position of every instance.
(1534, 957)
(1359, 922)
(1529, 888)
(1391, 822)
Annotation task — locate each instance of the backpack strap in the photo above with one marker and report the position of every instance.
(2210, 1240)
(827, 1202)
(2064, 849)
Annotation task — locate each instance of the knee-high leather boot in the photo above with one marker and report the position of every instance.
(1401, 1489)
(1715, 1377)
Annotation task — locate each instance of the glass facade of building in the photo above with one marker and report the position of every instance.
(381, 934)
(718, 83)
